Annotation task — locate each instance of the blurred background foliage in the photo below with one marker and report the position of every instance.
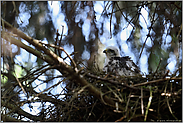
(165, 22)
(164, 16)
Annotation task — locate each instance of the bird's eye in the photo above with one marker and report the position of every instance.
(112, 51)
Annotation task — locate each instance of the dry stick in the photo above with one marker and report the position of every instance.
(142, 105)
(148, 35)
(121, 118)
(177, 70)
(136, 103)
(120, 100)
(56, 42)
(16, 11)
(124, 15)
(154, 81)
(105, 8)
(61, 40)
(128, 101)
(129, 22)
(120, 9)
(111, 20)
(37, 70)
(117, 106)
(75, 3)
(20, 84)
(2, 48)
(32, 41)
(51, 87)
(101, 96)
(180, 8)
(142, 48)
(91, 109)
(100, 116)
(170, 108)
(77, 93)
(166, 87)
(120, 94)
(148, 105)
(61, 48)
(158, 107)
(39, 73)
(158, 65)
(11, 56)
(38, 94)
(109, 5)
(126, 109)
(115, 82)
(178, 38)
(144, 19)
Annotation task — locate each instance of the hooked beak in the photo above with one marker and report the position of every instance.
(105, 51)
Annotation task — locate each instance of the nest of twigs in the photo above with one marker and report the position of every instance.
(153, 97)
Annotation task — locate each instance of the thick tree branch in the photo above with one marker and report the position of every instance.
(29, 49)
(52, 58)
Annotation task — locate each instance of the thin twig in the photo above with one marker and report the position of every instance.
(180, 8)
(50, 87)
(142, 48)
(77, 93)
(92, 109)
(136, 103)
(59, 54)
(121, 118)
(148, 105)
(148, 35)
(144, 19)
(128, 102)
(142, 105)
(170, 108)
(116, 82)
(111, 20)
(166, 73)
(20, 84)
(159, 80)
(124, 15)
(105, 8)
(15, 9)
(61, 48)
(56, 42)
(158, 65)
(120, 100)
(53, 59)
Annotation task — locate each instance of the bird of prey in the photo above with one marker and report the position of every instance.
(121, 66)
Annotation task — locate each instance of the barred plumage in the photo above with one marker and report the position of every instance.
(118, 65)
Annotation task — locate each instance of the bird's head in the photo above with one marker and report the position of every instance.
(111, 51)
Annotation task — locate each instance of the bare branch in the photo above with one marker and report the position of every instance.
(63, 67)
